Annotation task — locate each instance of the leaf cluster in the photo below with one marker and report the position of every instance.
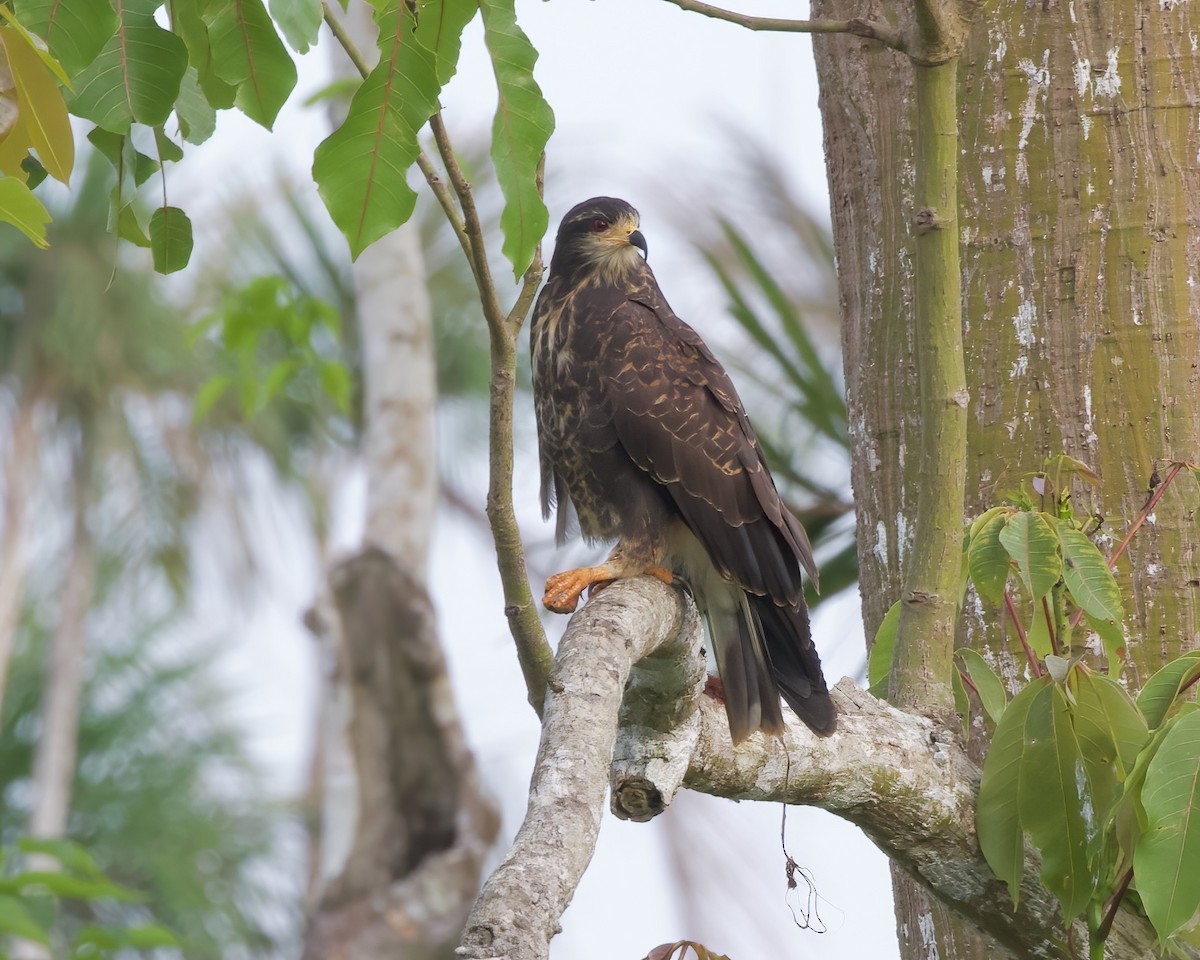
(31, 892)
(118, 67)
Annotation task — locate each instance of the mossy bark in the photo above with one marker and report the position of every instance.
(1079, 232)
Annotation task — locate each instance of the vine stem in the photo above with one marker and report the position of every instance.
(533, 650)
(857, 27)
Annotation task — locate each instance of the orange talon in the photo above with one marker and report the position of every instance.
(563, 589)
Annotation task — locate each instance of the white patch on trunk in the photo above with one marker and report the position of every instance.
(1039, 82)
(1108, 84)
(881, 543)
(928, 936)
(1023, 323)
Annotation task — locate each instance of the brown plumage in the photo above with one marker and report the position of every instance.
(642, 436)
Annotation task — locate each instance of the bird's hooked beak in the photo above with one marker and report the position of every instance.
(639, 241)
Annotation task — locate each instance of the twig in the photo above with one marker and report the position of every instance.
(533, 650)
(1050, 624)
(858, 27)
(1029, 654)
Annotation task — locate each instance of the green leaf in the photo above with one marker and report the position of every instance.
(1088, 577)
(248, 53)
(962, 702)
(170, 239)
(1054, 809)
(207, 396)
(1166, 862)
(16, 919)
(123, 221)
(23, 210)
(997, 817)
(168, 150)
(77, 888)
(136, 77)
(196, 116)
(987, 559)
(1112, 636)
(43, 118)
(75, 32)
(988, 686)
(150, 936)
(300, 21)
(1030, 541)
(1160, 691)
(523, 124)
(879, 663)
(335, 381)
(360, 169)
(187, 22)
(68, 853)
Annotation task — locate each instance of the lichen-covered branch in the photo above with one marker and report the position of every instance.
(903, 779)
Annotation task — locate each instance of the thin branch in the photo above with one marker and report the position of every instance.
(858, 27)
(446, 202)
(344, 40)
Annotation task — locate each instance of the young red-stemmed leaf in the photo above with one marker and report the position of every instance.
(992, 695)
(248, 54)
(23, 210)
(1168, 852)
(523, 124)
(1158, 695)
(1030, 541)
(75, 32)
(136, 75)
(300, 21)
(1054, 807)
(997, 815)
(170, 239)
(361, 168)
(987, 559)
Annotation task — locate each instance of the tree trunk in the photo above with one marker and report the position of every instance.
(18, 471)
(413, 810)
(1077, 191)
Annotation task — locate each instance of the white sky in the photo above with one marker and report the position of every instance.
(638, 88)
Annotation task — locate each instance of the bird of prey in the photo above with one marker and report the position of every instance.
(643, 438)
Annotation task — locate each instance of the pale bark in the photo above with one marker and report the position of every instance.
(904, 780)
(407, 795)
(18, 471)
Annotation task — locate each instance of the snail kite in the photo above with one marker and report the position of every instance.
(644, 439)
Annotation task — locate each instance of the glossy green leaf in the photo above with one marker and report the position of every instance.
(248, 54)
(1030, 541)
(23, 210)
(522, 127)
(16, 919)
(962, 702)
(170, 239)
(879, 662)
(989, 687)
(1054, 808)
(1088, 577)
(300, 21)
(987, 559)
(136, 76)
(75, 31)
(1111, 733)
(1159, 693)
(188, 23)
(1166, 862)
(997, 816)
(43, 118)
(361, 168)
(196, 116)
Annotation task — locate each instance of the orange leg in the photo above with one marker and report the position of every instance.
(563, 589)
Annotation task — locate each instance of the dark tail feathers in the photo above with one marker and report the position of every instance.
(795, 664)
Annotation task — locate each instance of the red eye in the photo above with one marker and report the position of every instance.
(598, 225)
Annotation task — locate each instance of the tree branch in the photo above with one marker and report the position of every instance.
(858, 27)
(901, 778)
(533, 650)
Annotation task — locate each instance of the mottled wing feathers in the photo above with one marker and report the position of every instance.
(679, 418)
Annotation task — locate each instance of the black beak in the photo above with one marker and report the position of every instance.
(639, 241)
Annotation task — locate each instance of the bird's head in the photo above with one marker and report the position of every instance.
(600, 237)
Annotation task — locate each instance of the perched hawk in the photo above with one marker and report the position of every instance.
(642, 435)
